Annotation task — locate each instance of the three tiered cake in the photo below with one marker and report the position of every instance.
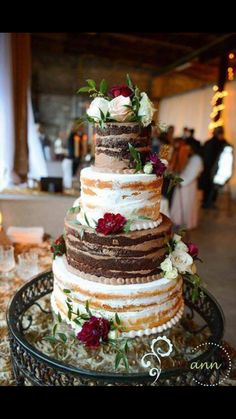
(116, 268)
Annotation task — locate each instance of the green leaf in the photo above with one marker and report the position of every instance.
(51, 339)
(81, 233)
(87, 308)
(127, 226)
(66, 291)
(59, 317)
(129, 82)
(84, 89)
(84, 317)
(125, 360)
(103, 117)
(118, 358)
(63, 337)
(86, 219)
(54, 329)
(76, 321)
(136, 157)
(103, 86)
(91, 83)
(90, 119)
(76, 209)
(117, 319)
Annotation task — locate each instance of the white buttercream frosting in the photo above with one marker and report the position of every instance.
(120, 195)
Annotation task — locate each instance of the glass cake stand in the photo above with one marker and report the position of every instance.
(37, 362)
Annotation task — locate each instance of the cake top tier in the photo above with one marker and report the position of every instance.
(112, 145)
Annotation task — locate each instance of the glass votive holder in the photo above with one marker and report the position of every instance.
(7, 260)
(27, 266)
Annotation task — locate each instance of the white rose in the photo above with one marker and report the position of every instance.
(166, 265)
(146, 110)
(118, 108)
(181, 260)
(94, 109)
(181, 246)
(177, 238)
(171, 274)
(148, 168)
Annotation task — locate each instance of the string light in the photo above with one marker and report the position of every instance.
(215, 88)
(231, 56)
(216, 108)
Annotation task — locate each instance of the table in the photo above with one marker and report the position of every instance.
(7, 289)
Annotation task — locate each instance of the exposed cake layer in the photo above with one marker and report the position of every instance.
(132, 257)
(140, 306)
(112, 150)
(132, 195)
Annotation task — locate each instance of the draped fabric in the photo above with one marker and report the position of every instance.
(37, 162)
(21, 57)
(7, 133)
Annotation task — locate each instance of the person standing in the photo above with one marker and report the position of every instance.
(212, 150)
(184, 208)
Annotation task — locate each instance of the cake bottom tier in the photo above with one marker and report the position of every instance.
(142, 308)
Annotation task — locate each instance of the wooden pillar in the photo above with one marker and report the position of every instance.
(21, 55)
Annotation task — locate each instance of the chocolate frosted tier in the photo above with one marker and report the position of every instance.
(112, 150)
(122, 258)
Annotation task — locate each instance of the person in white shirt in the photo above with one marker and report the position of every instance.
(185, 205)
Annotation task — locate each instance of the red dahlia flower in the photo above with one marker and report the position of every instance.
(93, 331)
(193, 250)
(120, 90)
(58, 247)
(158, 166)
(110, 223)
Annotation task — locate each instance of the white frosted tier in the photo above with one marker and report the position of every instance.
(142, 308)
(131, 195)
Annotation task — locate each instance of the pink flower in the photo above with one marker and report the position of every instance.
(158, 166)
(193, 250)
(94, 331)
(110, 223)
(120, 90)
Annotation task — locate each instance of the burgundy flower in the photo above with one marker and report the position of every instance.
(93, 331)
(193, 250)
(58, 247)
(110, 223)
(158, 166)
(120, 90)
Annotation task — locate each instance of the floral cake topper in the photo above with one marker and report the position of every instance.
(120, 103)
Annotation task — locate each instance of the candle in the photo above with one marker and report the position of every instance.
(84, 144)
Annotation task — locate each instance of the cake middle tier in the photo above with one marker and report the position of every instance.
(135, 196)
(122, 258)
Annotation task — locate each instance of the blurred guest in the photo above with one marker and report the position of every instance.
(186, 133)
(167, 137)
(191, 140)
(74, 146)
(212, 151)
(184, 208)
(45, 142)
(155, 139)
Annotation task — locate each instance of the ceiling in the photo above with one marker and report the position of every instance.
(193, 54)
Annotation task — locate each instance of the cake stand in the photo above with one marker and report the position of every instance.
(32, 366)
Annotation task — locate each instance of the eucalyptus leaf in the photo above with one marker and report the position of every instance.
(50, 339)
(118, 358)
(127, 226)
(54, 329)
(59, 317)
(117, 319)
(86, 220)
(129, 82)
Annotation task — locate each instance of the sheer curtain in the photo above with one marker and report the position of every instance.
(7, 132)
(37, 162)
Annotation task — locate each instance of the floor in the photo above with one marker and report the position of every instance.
(216, 237)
